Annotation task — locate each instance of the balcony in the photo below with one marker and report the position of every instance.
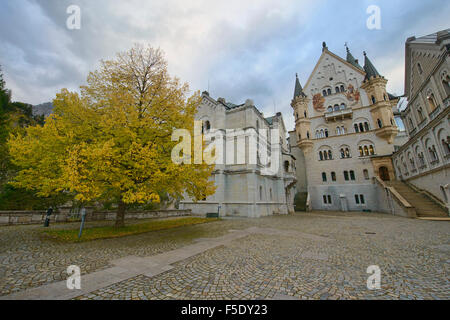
(339, 115)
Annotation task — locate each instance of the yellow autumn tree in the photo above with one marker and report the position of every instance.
(113, 140)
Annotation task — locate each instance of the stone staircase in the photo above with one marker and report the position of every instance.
(425, 207)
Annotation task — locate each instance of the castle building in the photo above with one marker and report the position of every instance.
(344, 133)
(254, 170)
(424, 160)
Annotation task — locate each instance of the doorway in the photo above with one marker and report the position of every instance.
(384, 174)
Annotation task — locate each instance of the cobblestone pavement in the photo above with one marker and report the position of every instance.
(330, 263)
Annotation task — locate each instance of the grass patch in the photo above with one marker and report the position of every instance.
(95, 233)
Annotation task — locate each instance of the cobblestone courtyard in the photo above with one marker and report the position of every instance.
(311, 256)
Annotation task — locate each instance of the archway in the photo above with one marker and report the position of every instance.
(384, 174)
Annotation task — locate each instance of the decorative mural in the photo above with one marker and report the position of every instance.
(352, 94)
(318, 102)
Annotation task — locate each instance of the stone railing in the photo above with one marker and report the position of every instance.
(397, 205)
(38, 217)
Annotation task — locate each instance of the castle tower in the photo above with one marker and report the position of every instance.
(302, 122)
(381, 109)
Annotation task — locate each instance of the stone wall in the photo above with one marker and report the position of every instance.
(38, 217)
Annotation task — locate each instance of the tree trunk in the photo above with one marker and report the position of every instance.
(120, 217)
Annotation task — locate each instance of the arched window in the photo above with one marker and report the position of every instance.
(432, 101)
(337, 89)
(343, 130)
(446, 145)
(366, 126)
(444, 193)
(330, 155)
(305, 114)
(333, 176)
(371, 150)
(286, 166)
(342, 153)
(260, 193)
(343, 106)
(361, 127)
(373, 100)
(307, 134)
(342, 88)
(352, 175)
(330, 109)
(338, 130)
(325, 155)
(207, 126)
(356, 127)
(347, 153)
(366, 151)
(329, 91)
(380, 124)
(361, 152)
(446, 82)
(324, 177)
(420, 114)
(366, 174)
(326, 133)
(324, 93)
(336, 107)
(320, 155)
(322, 133)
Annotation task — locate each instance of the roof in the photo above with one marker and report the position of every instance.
(371, 71)
(351, 59)
(298, 91)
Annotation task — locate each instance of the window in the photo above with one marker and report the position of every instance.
(333, 176)
(346, 176)
(330, 155)
(343, 106)
(336, 107)
(327, 199)
(286, 166)
(270, 194)
(352, 175)
(320, 155)
(366, 174)
(420, 114)
(433, 154)
(342, 88)
(371, 150)
(366, 126)
(380, 124)
(208, 126)
(366, 151)
(326, 133)
(329, 91)
(446, 82)
(356, 128)
(432, 101)
(338, 131)
(324, 93)
(359, 199)
(337, 89)
(446, 145)
(361, 152)
(324, 177)
(361, 127)
(330, 109)
(419, 67)
(260, 193)
(373, 100)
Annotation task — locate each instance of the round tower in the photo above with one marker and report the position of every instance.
(302, 123)
(381, 108)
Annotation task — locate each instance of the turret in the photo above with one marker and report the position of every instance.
(302, 123)
(381, 109)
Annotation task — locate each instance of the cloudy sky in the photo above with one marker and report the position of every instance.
(240, 49)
